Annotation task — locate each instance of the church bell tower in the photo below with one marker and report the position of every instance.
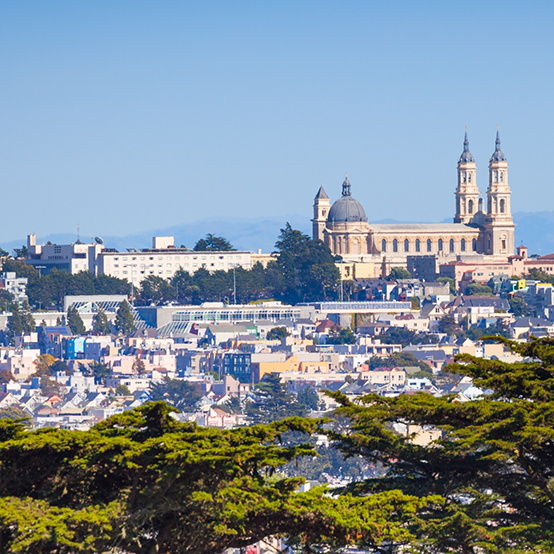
(322, 205)
(467, 193)
(499, 225)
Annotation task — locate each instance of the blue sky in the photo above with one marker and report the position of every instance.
(133, 115)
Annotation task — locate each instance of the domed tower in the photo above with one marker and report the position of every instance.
(467, 193)
(347, 227)
(322, 205)
(346, 209)
(499, 236)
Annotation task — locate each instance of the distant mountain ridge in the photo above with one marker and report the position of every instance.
(534, 229)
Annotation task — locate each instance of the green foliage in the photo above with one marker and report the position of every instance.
(139, 366)
(399, 273)
(498, 330)
(308, 396)
(518, 306)
(155, 290)
(100, 323)
(404, 337)
(492, 463)
(27, 319)
(277, 333)
(537, 275)
(398, 359)
(124, 319)
(272, 401)
(6, 376)
(447, 324)
(450, 282)
(44, 364)
(308, 266)
(48, 291)
(12, 412)
(343, 336)
(74, 321)
(177, 393)
(213, 244)
(122, 390)
(15, 323)
(474, 289)
(141, 482)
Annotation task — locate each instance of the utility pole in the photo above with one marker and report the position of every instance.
(234, 286)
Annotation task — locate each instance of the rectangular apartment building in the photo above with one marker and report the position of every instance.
(135, 265)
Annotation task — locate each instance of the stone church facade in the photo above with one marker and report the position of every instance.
(343, 226)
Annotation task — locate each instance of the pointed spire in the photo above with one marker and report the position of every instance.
(466, 154)
(498, 156)
(321, 194)
(346, 186)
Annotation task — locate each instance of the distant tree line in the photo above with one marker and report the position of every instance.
(304, 270)
(48, 291)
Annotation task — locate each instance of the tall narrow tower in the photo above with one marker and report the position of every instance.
(499, 225)
(322, 205)
(467, 193)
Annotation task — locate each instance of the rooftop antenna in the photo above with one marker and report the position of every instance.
(78, 232)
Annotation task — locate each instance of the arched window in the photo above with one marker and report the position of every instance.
(501, 176)
(469, 177)
(464, 177)
(502, 205)
(451, 245)
(474, 245)
(384, 245)
(406, 245)
(470, 206)
(429, 245)
(417, 245)
(441, 244)
(496, 176)
(463, 246)
(395, 245)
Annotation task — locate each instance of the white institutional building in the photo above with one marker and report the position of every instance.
(343, 226)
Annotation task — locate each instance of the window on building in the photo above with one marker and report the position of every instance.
(384, 245)
(469, 177)
(470, 206)
(501, 176)
(474, 245)
(395, 245)
(503, 244)
(463, 245)
(502, 205)
(429, 245)
(496, 176)
(464, 177)
(406, 245)
(418, 245)
(451, 245)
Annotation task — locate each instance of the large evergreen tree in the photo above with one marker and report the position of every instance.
(308, 266)
(492, 466)
(272, 401)
(142, 482)
(74, 321)
(100, 323)
(124, 319)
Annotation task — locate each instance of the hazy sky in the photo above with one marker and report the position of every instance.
(132, 115)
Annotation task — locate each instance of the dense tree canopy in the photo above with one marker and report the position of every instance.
(308, 266)
(213, 243)
(492, 463)
(48, 291)
(141, 482)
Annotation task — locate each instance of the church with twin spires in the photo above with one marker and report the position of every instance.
(343, 225)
